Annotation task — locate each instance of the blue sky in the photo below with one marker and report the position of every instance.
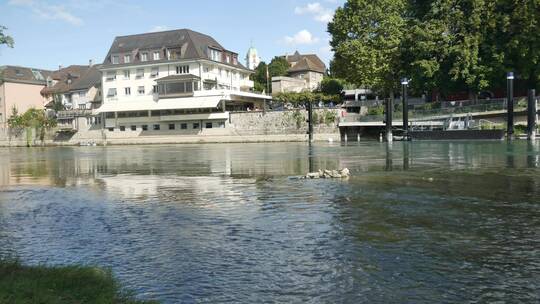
(50, 33)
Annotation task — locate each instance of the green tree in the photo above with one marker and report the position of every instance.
(331, 86)
(278, 66)
(366, 36)
(32, 119)
(259, 77)
(4, 38)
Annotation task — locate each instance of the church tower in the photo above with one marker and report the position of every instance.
(252, 58)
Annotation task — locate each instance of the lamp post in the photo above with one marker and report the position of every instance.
(404, 97)
(510, 105)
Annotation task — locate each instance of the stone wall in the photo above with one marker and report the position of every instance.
(283, 122)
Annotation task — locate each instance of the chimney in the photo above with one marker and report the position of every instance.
(90, 62)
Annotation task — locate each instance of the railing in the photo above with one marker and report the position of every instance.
(68, 114)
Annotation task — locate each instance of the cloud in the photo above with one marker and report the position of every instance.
(159, 28)
(302, 37)
(317, 10)
(48, 11)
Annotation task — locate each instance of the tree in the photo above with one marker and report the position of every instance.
(366, 36)
(331, 86)
(32, 119)
(259, 77)
(4, 38)
(278, 66)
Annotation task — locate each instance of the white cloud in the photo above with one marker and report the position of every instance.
(48, 11)
(159, 28)
(302, 37)
(317, 10)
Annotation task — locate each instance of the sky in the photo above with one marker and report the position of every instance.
(50, 33)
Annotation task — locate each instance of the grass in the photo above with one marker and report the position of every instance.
(66, 284)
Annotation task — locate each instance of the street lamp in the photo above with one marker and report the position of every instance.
(510, 104)
(404, 83)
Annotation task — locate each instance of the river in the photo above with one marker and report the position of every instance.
(421, 222)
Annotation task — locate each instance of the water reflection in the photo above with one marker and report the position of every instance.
(224, 223)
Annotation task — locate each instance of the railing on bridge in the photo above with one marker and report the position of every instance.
(440, 113)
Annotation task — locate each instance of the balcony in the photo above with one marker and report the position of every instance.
(175, 86)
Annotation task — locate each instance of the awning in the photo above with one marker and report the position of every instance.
(162, 104)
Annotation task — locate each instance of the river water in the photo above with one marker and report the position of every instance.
(422, 222)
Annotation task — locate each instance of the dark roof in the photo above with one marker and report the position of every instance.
(10, 73)
(178, 77)
(192, 45)
(82, 77)
(307, 62)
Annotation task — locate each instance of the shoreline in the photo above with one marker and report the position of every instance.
(181, 139)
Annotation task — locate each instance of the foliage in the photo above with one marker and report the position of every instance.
(57, 103)
(277, 67)
(31, 119)
(331, 86)
(376, 110)
(298, 118)
(443, 45)
(67, 284)
(305, 97)
(4, 38)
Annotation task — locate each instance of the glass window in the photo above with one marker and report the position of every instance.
(133, 128)
(183, 126)
(155, 89)
(221, 124)
(208, 125)
(127, 58)
(140, 90)
(111, 92)
(122, 128)
(111, 76)
(157, 127)
(182, 69)
(156, 55)
(144, 127)
(154, 72)
(171, 126)
(110, 129)
(114, 59)
(144, 57)
(82, 94)
(140, 73)
(126, 74)
(127, 91)
(196, 125)
(214, 54)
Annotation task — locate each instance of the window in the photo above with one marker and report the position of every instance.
(228, 59)
(140, 90)
(195, 125)
(156, 127)
(126, 74)
(227, 73)
(206, 69)
(109, 115)
(235, 60)
(221, 124)
(111, 76)
(220, 71)
(156, 55)
(144, 57)
(110, 129)
(208, 125)
(154, 72)
(144, 127)
(183, 126)
(127, 58)
(155, 89)
(182, 69)
(171, 126)
(82, 94)
(111, 92)
(122, 128)
(214, 54)
(139, 74)
(127, 91)
(133, 128)
(114, 59)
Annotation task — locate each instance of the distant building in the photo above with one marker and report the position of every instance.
(252, 58)
(174, 82)
(20, 88)
(78, 89)
(305, 74)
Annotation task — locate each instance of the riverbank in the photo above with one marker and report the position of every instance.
(66, 284)
(174, 139)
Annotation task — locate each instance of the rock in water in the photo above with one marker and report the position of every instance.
(343, 173)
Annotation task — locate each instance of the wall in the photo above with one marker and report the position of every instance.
(287, 84)
(23, 96)
(279, 122)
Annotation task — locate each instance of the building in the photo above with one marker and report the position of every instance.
(305, 74)
(179, 81)
(20, 88)
(78, 89)
(252, 58)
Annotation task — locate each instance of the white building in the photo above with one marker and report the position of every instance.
(252, 58)
(180, 80)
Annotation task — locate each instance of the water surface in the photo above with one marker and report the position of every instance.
(419, 222)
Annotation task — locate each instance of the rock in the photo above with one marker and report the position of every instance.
(313, 175)
(344, 172)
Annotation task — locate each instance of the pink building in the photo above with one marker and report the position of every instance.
(21, 87)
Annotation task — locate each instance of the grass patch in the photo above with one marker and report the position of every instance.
(66, 284)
